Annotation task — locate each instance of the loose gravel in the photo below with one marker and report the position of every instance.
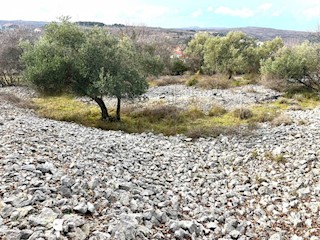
(60, 180)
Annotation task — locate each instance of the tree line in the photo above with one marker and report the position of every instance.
(68, 58)
(237, 53)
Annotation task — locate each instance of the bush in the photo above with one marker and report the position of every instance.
(217, 81)
(217, 110)
(10, 53)
(273, 82)
(178, 67)
(198, 132)
(194, 113)
(281, 120)
(158, 113)
(297, 64)
(192, 82)
(264, 113)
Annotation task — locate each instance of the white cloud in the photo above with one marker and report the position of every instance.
(119, 11)
(312, 13)
(265, 7)
(311, 1)
(197, 13)
(210, 9)
(276, 13)
(243, 12)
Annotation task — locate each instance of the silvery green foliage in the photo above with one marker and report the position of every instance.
(85, 62)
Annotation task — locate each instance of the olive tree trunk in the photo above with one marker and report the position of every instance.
(118, 118)
(104, 110)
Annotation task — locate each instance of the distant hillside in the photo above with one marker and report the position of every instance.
(21, 23)
(263, 34)
(90, 24)
(183, 35)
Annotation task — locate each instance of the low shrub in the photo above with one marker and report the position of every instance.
(282, 100)
(251, 78)
(217, 81)
(300, 92)
(281, 120)
(264, 113)
(274, 83)
(217, 110)
(242, 113)
(158, 113)
(178, 67)
(193, 113)
(10, 80)
(295, 108)
(192, 82)
(213, 131)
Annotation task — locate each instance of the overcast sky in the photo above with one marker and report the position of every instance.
(281, 14)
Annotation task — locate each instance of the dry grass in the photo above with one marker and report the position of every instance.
(245, 79)
(193, 113)
(217, 110)
(274, 83)
(213, 131)
(282, 119)
(16, 101)
(282, 100)
(158, 113)
(217, 81)
(168, 80)
(165, 119)
(275, 158)
(242, 113)
(264, 113)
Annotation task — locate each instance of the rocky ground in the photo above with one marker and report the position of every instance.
(185, 97)
(63, 181)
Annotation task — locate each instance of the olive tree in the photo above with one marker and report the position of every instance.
(10, 52)
(86, 62)
(124, 77)
(227, 54)
(195, 51)
(257, 52)
(299, 64)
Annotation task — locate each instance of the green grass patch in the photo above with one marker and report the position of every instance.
(264, 113)
(246, 79)
(66, 108)
(168, 120)
(217, 110)
(165, 119)
(305, 97)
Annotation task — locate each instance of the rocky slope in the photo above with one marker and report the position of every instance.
(63, 181)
